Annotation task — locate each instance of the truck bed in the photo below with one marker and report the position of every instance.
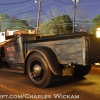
(79, 48)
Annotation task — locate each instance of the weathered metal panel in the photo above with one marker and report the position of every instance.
(15, 49)
(19, 50)
(10, 52)
(79, 48)
(69, 50)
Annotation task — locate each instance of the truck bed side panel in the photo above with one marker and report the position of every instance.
(69, 50)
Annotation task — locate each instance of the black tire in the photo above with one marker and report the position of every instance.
(42, 76)
(81, 71)
(2, 63)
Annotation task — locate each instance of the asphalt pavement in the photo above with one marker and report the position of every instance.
(95, 69)
(17, 86)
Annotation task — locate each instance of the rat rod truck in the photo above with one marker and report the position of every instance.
(45, 56)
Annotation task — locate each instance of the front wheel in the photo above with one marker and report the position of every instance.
(38, 70)
(81, 70)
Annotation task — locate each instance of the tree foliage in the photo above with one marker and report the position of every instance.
(81, 17)
(51, 13)
(57, 25)
(7, 21)
(31, 21)
(96, 22)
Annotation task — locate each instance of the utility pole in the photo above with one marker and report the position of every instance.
(75, 2)
(38, 19)
(0, 22)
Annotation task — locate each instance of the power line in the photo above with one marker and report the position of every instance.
(14, 2)
(45, 12)
(22, 7)
(90, 3)
(21, 10)
(25, 9)
(78, 4)
(62, 2)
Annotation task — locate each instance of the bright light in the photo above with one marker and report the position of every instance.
(75, 1)
(97, 64)
(35, 1)
(98, 32)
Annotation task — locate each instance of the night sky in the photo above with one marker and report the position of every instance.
(18, 8)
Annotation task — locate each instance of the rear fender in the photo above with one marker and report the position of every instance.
(50, 57)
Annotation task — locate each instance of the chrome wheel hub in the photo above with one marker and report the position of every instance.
(37, 70)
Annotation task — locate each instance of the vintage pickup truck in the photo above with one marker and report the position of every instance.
(44, 56)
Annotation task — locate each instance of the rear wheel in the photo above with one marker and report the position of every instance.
(80, 70)
(38, 70)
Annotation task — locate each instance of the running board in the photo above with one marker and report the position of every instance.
(16, 70)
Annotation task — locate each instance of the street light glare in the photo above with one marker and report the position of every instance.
(98, 32)
(35, 1)
(76, 1)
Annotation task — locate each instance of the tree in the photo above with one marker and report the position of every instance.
(17, 23)
(31, 21)
(96, 22)
(81, 18)
(57, 25)
(53, 12)
(4, 21)
(7, 21)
